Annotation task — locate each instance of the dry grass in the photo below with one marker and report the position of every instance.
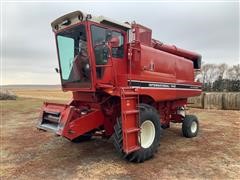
(27, 153)
(53, 94)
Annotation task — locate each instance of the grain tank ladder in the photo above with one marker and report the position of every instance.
(130, 119)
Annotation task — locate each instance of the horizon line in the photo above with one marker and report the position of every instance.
(30, 84)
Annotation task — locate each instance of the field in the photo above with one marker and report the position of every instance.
(27, 153)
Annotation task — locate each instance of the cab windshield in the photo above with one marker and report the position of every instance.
(73, 57)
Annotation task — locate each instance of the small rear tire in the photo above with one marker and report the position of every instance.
(190, 126)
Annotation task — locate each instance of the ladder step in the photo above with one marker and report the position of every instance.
(131, 112)
(132, 149)
(132, 130)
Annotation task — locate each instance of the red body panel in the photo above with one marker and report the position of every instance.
(149, 72)
(154, 66)
(83, 124)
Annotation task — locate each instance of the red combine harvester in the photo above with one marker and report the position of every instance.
(124, 84)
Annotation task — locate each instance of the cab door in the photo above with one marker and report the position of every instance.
(109, 62)
(119, 58)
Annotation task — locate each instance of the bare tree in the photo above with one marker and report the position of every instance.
(222, 68)
(210, 71)
(233, 73)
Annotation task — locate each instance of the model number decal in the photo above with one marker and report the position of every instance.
(162, 85)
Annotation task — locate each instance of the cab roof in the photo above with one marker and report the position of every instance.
(79, 16)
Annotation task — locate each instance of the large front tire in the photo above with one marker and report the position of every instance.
(149, 135)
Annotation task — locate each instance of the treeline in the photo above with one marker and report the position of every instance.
(219, 77)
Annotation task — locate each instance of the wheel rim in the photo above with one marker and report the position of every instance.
(147, 133)
(193, 127)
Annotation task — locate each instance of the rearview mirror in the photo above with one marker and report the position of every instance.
(114, 42)
(57, 70)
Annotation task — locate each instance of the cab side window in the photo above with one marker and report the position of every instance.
(118, 52)
(99, 39)
(100, 36)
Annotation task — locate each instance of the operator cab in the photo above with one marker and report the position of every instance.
(74, 58)
(90, 50)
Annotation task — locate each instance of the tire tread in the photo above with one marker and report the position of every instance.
(142, 154)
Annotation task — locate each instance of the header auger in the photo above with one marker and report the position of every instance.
(124, 84)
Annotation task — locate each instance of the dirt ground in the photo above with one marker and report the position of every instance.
(27, 153)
